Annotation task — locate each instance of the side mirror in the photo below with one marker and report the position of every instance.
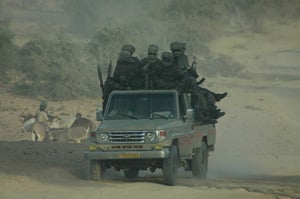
(99, 115)
(189, 114)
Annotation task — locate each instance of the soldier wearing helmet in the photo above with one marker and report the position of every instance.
(130, 48)
(127, 72)
(180, 59)
(169, 75)
(150, 67)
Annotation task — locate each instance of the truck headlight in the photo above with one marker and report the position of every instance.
(103, 137)
(150, 137)
(161, 135)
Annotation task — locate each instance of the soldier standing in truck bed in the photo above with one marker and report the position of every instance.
(127, 71)
(169, 76)
(130, 48)
(150, 67)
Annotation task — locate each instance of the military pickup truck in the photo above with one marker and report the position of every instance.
(149, 129)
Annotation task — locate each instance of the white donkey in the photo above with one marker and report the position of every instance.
(78, 131)
(38, 130)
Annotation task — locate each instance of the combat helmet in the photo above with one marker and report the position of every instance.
(128, 47)
(124, 55)
(177, 48)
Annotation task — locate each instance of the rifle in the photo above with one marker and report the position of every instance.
(193, 71)
(109, 70)
(194, 64)
(100, 78)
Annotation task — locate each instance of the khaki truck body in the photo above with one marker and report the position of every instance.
(149, 129)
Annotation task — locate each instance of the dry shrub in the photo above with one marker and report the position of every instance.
(60, 69)
(54, 70)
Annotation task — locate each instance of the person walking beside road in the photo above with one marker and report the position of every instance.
(41, 113)
(43, 116)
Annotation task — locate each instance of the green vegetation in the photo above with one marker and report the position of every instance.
(61, 64)
(5, 35)
(53, 70)
(7, 50)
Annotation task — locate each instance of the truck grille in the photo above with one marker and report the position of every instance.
(127, 137)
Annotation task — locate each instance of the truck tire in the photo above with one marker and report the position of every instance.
(131, 173)
(200, 162)
(95, 170)
(170, 166)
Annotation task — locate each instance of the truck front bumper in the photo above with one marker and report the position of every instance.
(113, 155)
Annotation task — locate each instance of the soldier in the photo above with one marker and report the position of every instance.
(127, 72)
(169, 75)
(150, 67)
(130, 48)
(181, 60)
(126, 75)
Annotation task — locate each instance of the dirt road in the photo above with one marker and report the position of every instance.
(256, 156)
(56, 170)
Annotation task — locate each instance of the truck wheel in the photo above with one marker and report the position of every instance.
(95, 170)
(131, 173)
(200, 162)
(170, 166)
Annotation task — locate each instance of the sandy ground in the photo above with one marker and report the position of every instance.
(257, 153)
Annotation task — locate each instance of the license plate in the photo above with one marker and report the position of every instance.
(129, 155)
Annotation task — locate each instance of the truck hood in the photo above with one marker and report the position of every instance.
(136, 125)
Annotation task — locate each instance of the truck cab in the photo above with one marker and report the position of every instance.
(149, 129)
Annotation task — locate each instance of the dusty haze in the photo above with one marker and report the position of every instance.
(249, 50)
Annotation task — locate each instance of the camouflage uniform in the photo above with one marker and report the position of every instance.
(127, 72)
(126, 75)
(190, 84)
(179, 58)
(130, 48)
(168, 76)
(150, 67)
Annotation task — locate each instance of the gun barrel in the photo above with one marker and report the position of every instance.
(100, 76)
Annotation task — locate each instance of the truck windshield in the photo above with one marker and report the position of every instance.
(142, 106)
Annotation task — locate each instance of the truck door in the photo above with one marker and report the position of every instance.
(186, 140)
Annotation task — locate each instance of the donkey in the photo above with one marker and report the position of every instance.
(38, 130)
(84, 122)
(73, 134)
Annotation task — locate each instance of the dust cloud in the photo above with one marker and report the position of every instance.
(248, 48)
